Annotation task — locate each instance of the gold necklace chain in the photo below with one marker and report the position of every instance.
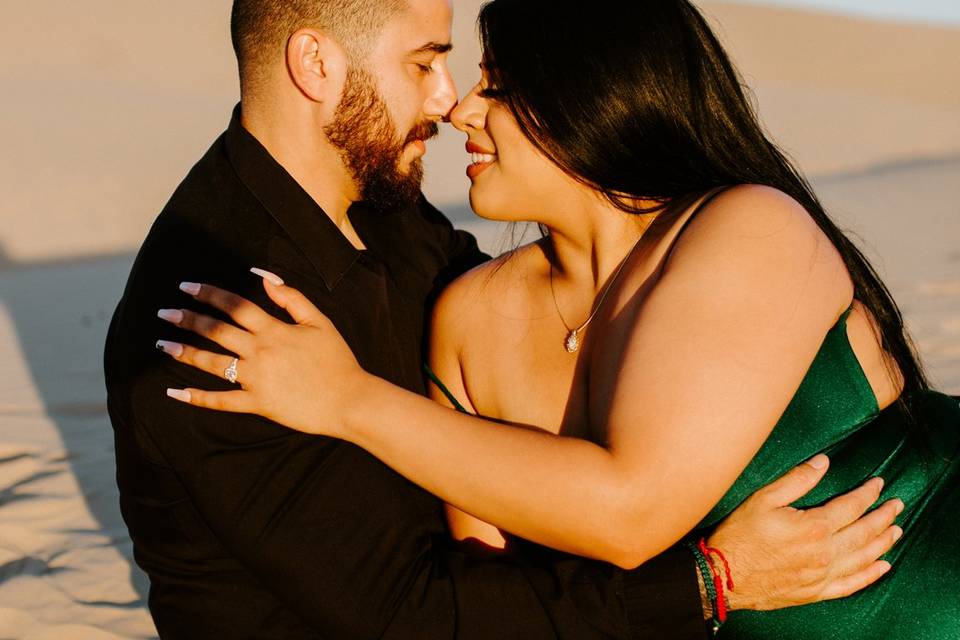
(572, 342)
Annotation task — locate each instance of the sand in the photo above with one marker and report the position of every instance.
(99, 128)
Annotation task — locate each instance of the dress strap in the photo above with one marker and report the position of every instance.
(706, 200)
(443, 388)
(842, 320)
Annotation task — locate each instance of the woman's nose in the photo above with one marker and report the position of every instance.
(470, 113)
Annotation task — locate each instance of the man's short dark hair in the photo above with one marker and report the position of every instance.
(261, 28)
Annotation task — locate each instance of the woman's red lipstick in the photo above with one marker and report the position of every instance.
(482, 158)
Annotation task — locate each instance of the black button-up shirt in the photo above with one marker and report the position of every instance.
(249, 530)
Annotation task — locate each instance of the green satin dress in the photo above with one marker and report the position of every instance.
(835, 412)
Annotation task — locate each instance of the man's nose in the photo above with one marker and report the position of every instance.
(443, 99)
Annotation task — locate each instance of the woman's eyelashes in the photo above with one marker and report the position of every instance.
(490, 93)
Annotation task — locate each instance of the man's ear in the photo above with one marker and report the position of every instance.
(317, 65)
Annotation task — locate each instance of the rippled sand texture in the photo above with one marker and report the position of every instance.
(98, 130)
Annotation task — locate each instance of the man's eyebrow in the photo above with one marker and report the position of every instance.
(433, 47)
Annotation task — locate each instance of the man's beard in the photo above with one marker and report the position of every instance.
(367, 138)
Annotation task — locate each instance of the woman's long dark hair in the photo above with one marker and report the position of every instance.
(638, 100)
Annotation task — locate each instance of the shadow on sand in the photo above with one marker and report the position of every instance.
(60, 311)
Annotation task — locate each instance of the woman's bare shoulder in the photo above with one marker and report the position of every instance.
(756, 251)
(752, 229)
(748, 213)
(490, 289)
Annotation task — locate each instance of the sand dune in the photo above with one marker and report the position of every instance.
(65, 569)
(98, 130)
(842, 93)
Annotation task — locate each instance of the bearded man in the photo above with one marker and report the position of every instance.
(249, 530)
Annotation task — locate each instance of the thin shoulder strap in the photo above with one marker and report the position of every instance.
(443, 388)
(707, 199)
(846, 314)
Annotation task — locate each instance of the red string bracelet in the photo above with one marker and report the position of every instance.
(709, 552)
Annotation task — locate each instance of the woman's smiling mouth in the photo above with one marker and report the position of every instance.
(481, 159)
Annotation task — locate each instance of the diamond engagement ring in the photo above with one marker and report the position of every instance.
(230, 373)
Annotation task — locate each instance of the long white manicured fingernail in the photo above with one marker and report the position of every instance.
(179, 394)
(190, 288)
(171, 315)
(272, 278)
(174, 349)
(818, 461)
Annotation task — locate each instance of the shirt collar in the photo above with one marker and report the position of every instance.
(323, 244)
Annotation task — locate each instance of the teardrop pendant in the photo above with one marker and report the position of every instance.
(572, 343)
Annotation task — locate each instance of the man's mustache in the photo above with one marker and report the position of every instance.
(423, 131)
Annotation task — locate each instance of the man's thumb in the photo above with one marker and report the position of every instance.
(798, 482)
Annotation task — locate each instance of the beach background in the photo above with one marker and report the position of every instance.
(107, 104)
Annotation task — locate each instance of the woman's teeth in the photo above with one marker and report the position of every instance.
(482, 158)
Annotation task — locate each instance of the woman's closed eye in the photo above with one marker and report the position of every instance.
(491, 93)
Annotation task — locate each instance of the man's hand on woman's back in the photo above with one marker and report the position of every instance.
(783, 557)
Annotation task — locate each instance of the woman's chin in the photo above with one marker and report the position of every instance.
(487, 209)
